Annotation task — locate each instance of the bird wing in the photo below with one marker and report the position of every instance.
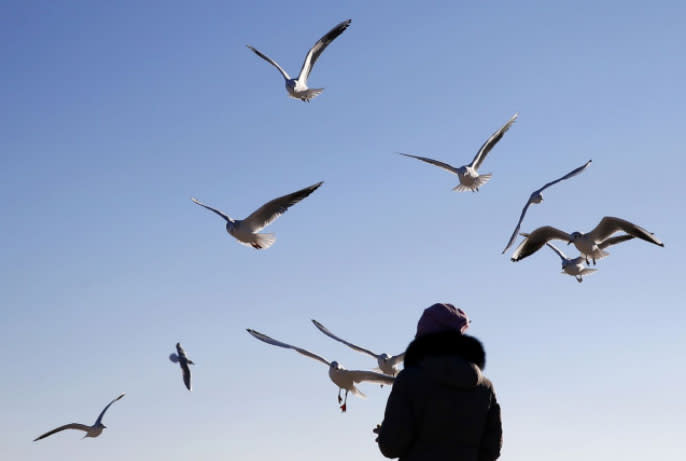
(490, 142)
(609, 225)
(274, 342)
(396, 359)
(371, 376)
(185, 369)
(614, 241)
(319, 48)
(439, 164)
(537, 239)
(572, 173)
(220, 213)
(519, 224)
(270, 61)
(102, 413)
(557, 250)
(326, 331)
(181, 352)
(271, 210)
(81, 427)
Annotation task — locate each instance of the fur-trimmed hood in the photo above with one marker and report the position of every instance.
(448, 357)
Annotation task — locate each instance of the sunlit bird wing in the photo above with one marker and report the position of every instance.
(319, 47)
(537, 239)
(214, 210)
(271, 210)
(270, 61)
(490, 142)
(274, 342)
(371, 377)
(326, 331)
(80, 427)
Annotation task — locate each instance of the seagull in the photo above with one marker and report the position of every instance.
(469, 177)
(297, 87)
(344, 379)
(91, 431)
(588, 243)
(387, 364)
(536, 197)
(245, 230)
(575, 267)
(183, 361)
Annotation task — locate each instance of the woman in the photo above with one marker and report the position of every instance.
(441, 406)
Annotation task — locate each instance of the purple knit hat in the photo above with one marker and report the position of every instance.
(442, 317)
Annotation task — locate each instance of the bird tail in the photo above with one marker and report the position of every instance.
(311, 93)
(478, 182)
(358, 392)
(263, 241)
(599, 254)
(588, 271)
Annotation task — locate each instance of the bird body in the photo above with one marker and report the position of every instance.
(589, 244)
(184, 362)
(387, 364)
(537, 197)
(469, 176)
(297, 87)
(91, 431)
(344, 379)
(246, 231)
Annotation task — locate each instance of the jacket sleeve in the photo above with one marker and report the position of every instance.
(397, 430)
(492, 438)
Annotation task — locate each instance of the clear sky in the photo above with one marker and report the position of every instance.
(115, 113)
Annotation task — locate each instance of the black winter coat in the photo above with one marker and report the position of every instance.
(441, 407)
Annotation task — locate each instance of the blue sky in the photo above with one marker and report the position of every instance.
(114, 115)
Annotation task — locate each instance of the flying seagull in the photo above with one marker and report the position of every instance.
(536, 197)
(91, 431)
(387, 364)
(575, 267)
(469, 177)
(344, 379)
(245, 230)
(183, 361)
(588, 244)
(297, 87)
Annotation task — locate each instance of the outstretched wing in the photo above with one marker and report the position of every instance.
(371, 377)
(319, 48)
(270, 61)
(609, 225)
(220, 213)
(519, 224)
(572, 173)
(271, 210)
(439, 164)
(557, 250)
(326, 331)
(490, 142)
(396, 359)
(274, 342)
(81, 427)
(614, 241)
(537, 239)
(185, 369)
(102, 413)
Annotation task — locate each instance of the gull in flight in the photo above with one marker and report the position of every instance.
(183, 361)
(588, 244)
(387, 364)
(246, 230)
(468, 175)
(575, 267)
(536, 197)
(91, 431)
(344, 379)
(297, 87)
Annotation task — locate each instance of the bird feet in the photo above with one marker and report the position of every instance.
(344, 408)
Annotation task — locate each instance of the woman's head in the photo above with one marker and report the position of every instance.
(442, 317)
